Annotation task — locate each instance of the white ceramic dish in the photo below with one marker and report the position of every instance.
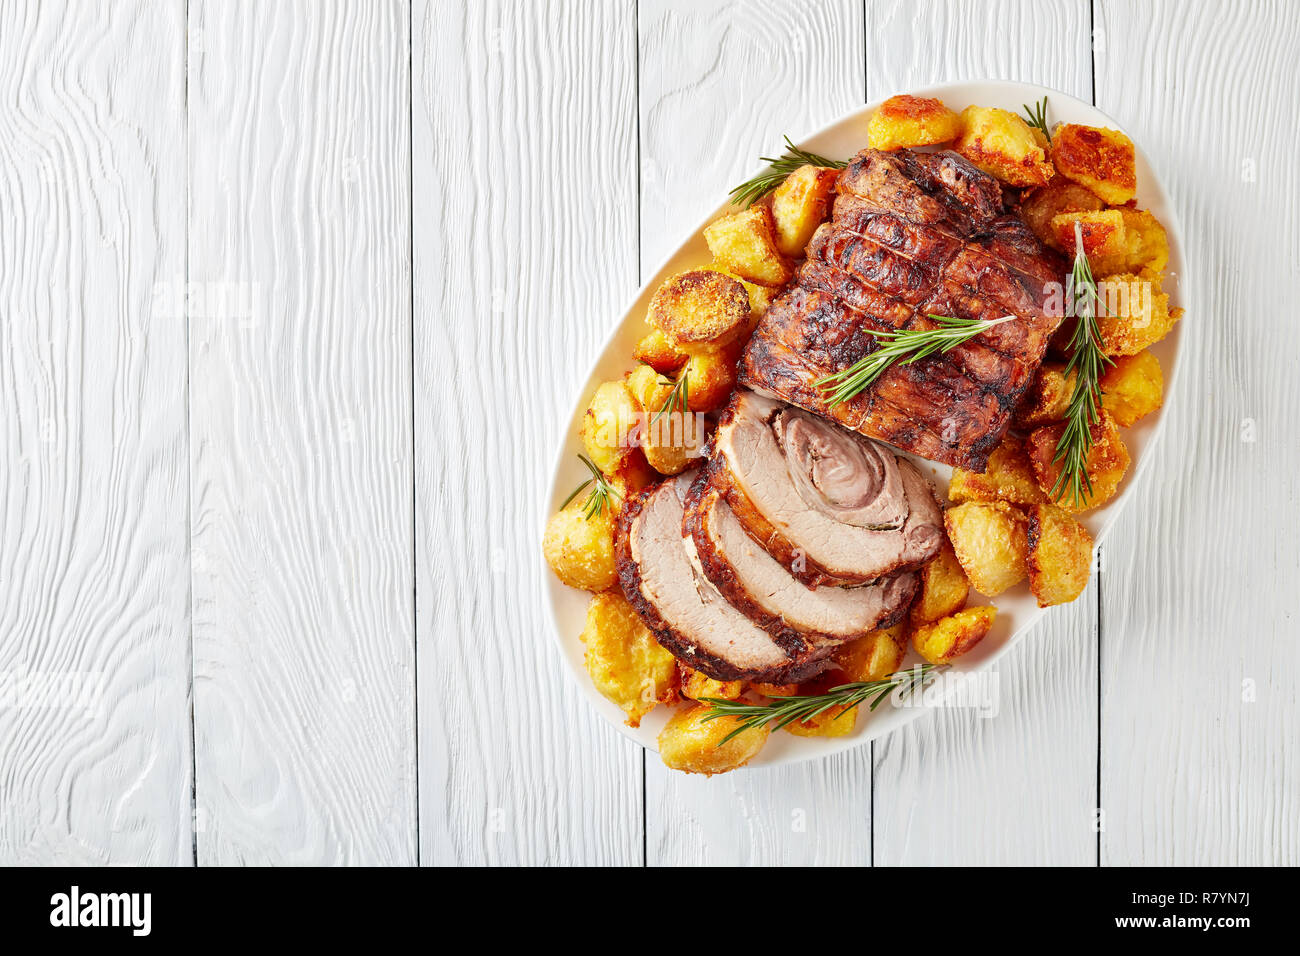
(1017, 609)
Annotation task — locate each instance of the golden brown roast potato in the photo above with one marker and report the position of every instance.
(1098, 158)
(1060, 555)
(1107, 462)
(609, 419)
(744, 243)
(1047, 398)
(1040, 206)
(944, 588)
(580, 550)
(1008, 477)
(872, 657)
(904, 121)
(691, 744)
(670, 440)
(697, 686)
(760, 296)
(1132, 314)
(1116, 241)
(700, 309)
(1148, 244)
(799, 205)
(1133, 387)
(953, 636)
(1004, 146)
(657, 351)
(833, 722)
(710, 377)
(625, 662)
(989, 541)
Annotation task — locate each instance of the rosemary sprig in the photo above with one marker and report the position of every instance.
(750, 191)
(781, 711)
(1087, 362)
(600, 495)
(902, 346)
(1037, 116)
(678, 399)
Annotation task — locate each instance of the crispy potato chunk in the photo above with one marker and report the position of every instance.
(1060, 555)
(1133, 387)
(904, 121)
(872, 657)
(1046, 400)
(610, 418)
(989, 541)
(835, 722)
(1008, 477)
(800, 205)
(1132, 314)
(1100, 159)
(624, 660)
(710, 378)
(1107, 462)
(581, 551)
(1116, 241)
(1040, 206)
(697, 686)
(700, 309)
(944, 588)
(953, 636)
(775, 690)
(658, 351)
(744, 243)
(631, 476)
(670, 440)
(1004, 146)
(760, 296)
(691, 744)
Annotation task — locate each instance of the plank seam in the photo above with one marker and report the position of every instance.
(189, 458)
(410, 274)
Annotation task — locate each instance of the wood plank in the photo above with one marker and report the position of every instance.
(1200, 762)
(301, 433)
(525, 191)
(719, 86)
(94, 542)
(953, 788)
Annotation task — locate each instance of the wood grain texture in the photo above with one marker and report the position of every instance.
(94, 542)
(525, 251)
(1200, 759)
(1018, 789)
(720, 84)
(301, 433)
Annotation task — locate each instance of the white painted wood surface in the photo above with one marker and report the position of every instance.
(388, 213)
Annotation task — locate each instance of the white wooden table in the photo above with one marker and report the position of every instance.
(292, 298)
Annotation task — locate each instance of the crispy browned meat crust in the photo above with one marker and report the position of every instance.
(911, 235)
(807, 663)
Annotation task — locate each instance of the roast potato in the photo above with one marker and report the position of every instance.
(669, 441)
(832, 722)
(1100, 159)
(1059, 556)
(1008, 477)
(1107, 461)
(710, 377)
(658, 351)
(989, 541)
(952, 636)
(700, 309)
(944, 588)
(1132, 314)
(744, 243)
(697, 686)
(1004, 146)
(905, 121)
(1133, 387)
(1047, 398)
(873, 657)
(1040, 206)
(625, 662)
(609, 420)
(580, 550)
(760, 296)
(799, 205)
(694, 745)
(1116, 241)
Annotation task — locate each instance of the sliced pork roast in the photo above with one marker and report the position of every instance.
(661, 576)
(833, 507)
(767, 593)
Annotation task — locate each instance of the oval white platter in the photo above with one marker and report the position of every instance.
(1017, 609)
